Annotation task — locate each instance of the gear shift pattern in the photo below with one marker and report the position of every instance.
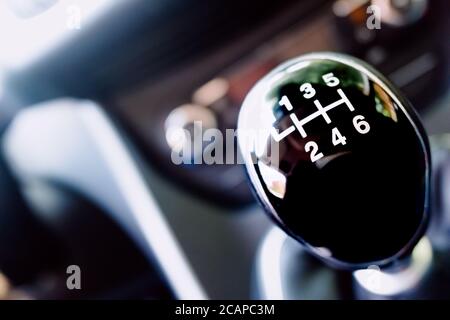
(349, 174)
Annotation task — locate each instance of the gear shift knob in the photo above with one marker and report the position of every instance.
(338, 158)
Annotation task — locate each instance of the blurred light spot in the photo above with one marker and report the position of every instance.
(29, 8)
(343, 8)
(401, 12)
(4, 287)
(376, 55)
(211, 92)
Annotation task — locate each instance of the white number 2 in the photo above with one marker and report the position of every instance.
(330, 79)
(337, 137)
(312, 147)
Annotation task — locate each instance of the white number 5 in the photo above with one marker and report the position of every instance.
(330, 79)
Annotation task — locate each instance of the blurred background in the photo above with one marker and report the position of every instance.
(88, 90)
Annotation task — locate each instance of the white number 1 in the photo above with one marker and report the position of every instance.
(284, 101)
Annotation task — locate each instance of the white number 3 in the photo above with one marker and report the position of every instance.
(308, 90)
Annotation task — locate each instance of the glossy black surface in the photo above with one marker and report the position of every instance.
(364, 200)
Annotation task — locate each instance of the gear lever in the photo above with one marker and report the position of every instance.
(339, 159)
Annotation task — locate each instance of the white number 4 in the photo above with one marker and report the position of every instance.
(337, 137)
(330, 79)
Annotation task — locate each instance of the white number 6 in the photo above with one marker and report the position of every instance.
(360, 125)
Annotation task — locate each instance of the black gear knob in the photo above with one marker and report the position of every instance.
(338, 158)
